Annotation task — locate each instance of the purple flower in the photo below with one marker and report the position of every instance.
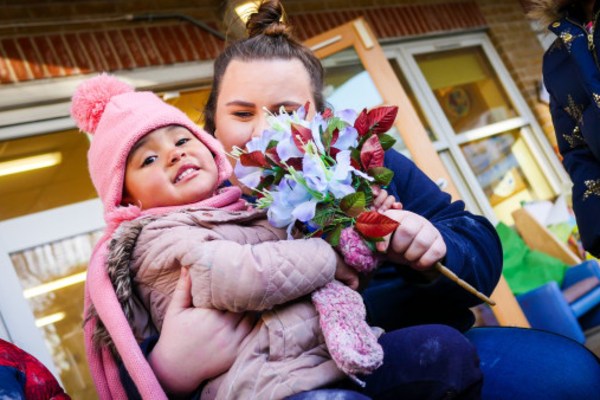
(336, 180)
(291, 202)
(347, 138)
(286, 148)
(348, 115)
(249, 176)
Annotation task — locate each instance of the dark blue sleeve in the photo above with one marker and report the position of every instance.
(398, 296)
(132, 393)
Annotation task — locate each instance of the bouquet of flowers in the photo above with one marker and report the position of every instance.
(317, 176)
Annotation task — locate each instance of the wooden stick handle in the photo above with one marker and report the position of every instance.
(453, 277)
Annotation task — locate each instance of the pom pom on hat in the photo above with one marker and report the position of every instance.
(92, 96)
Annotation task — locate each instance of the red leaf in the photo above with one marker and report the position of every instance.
(301, 135)
(354, 163)
(273, 156)
(381, 119)
(333, 152)
(371, 153)
(327, 113)
(362, 123)
(334, 136)
(371, 224)
(295, 162)
(254, 159)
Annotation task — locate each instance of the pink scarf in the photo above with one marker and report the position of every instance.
(100, 293)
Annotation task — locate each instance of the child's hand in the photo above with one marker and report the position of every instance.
(346, 274)
(383, 201)
(416, 242)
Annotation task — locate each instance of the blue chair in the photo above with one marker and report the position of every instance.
(569, 309)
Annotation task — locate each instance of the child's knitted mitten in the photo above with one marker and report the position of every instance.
(356, 253)
(351, 342)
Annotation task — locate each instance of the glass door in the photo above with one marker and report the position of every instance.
(483, 129)
(42, 287)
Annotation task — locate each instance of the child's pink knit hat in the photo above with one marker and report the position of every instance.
(118, 117)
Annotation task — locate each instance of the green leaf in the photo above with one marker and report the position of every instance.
(386, 141)
(326, 137)
(382, 175)
(334, 237)
(364, 186)
(353, 204)
(323, 216)
(355, 155)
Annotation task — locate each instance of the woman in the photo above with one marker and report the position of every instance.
(270, 70)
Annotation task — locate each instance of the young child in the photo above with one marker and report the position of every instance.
(159, 176)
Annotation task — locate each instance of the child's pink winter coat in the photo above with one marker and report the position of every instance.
(237, 262)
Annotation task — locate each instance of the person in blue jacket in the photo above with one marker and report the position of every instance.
(428, 319)
(571, 74)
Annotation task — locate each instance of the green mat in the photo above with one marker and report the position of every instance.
(526, 269)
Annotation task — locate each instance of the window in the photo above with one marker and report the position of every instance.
(480, 124)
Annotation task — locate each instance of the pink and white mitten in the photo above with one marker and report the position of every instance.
(352, 343)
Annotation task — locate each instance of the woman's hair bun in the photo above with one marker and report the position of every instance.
(92, 96)
(267, 20)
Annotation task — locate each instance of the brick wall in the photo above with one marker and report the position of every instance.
(28, 51)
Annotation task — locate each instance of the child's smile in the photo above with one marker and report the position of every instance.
(186, 172)
(169, 167)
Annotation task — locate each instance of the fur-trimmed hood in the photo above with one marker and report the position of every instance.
(548, 11)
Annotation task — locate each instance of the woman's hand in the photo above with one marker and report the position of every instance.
(185, 355)
(383, 201)
(416, 242)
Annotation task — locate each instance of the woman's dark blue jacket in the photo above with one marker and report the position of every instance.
(398, 296)
(572, 76)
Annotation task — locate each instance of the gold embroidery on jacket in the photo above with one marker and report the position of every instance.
(575, 138)
(596, 99)
(593, 188)
(567, 39)
(574, 110)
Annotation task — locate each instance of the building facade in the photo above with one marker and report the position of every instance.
(466, 75)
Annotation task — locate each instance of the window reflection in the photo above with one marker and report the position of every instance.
(190, 102)
(52, 277)
(505, 170)
(466, 87)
